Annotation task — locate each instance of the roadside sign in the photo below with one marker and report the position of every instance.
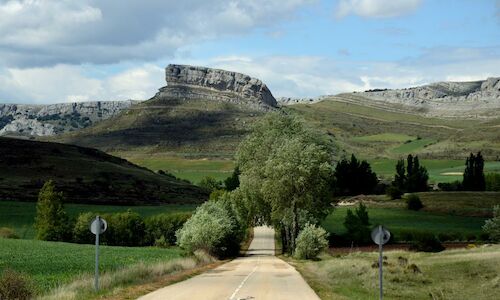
(380, 236)
(97, 227)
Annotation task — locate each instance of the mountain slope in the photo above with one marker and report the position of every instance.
(85, 175)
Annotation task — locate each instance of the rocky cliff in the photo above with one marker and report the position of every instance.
(46, 120)
(190, 82)
(442, 99)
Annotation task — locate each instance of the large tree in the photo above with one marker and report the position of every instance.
(51, 221)
(474, 179)
(285, 174)
(416, 176)
(354, 177)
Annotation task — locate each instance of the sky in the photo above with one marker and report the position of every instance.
(89, 50)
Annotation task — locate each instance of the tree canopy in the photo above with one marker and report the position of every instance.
(354, 177)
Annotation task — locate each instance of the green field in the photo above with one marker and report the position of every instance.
(50, 264)
(20, 215)
(451, 274)
(191, 169)
(400, 219)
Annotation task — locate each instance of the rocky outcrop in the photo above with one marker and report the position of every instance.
(46, 120)
(475, 99)
(293, 100)
(192, 82)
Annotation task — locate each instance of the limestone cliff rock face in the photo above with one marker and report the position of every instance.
(46, 120)
(185, 81)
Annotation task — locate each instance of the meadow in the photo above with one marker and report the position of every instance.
(50, 264)
(20, 215)
(451, 274)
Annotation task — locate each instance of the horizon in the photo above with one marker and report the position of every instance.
(92, 51)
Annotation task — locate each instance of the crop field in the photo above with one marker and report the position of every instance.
(451, 274)
(20, 215)
(400, 219)
(52, 263)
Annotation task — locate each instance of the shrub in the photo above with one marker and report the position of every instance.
(413, 202)
(450, 186)
(426, 242)
(210, 184)
(213, 228)
(310, 242)
(394, 192)
(357, 224)
(81, 230)
(124, 229)
(14, 285)
(8, 233)
(492, 226)
(160, 229)
(51, 221)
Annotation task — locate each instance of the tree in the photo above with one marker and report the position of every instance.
(210, 184)
(233, 182)
(400, 178)
(474, 179)
(415, 179)
(357, 224)
(354, 177)
(492, 226)
(51, 221)
(285, 169)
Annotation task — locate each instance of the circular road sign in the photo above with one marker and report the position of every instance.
(380, 235)
(99, 225)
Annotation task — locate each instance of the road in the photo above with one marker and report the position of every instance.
(259, 275)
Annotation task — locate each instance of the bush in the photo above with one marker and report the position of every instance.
(8, 233)
(14, 285)
(160, 229)
(310, 242)
(492, 226)
(210, 184)
(394, 192)
(413, 202)
(426, 242)
(51, 221)
(81, 230)
(357, 225)
(450, 186)
(124, 229)
(213, 228)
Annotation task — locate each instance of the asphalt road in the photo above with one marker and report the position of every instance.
(259, 275)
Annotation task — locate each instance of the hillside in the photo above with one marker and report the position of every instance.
(200, 112)
(85, 175)
(46, 120)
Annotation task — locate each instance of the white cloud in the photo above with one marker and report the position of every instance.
(376, 8)
(46, 33)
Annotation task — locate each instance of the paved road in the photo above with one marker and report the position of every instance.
(259, 276)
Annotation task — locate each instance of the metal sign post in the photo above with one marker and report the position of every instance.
(380, 236)
(97, 227)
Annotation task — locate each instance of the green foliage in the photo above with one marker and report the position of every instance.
(285, 166)
(8, 233)
(450, 186)
(51, 221)
(233, 182)
(394, 192)
(124, 229)
(311, 241)
(474, 179)
(413, 202)
(357, 224)
(492, 226)
(352, 177)
(81, 230)
(416, 176)
(426, 242)
(210, 184)
(492, 182)
(160, 229)
(212, 228)
(400, 177)
(14, 285)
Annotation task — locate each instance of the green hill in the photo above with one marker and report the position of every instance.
(85, 175)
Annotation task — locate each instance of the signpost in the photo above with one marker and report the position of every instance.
(97, 227)
(380, 236)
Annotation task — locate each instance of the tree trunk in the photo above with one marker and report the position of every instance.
(295, 227)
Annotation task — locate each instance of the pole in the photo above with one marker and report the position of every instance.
(96, 280)
(380, 262)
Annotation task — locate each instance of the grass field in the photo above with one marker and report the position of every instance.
(451, 274)
(51, 263)
(20, 215)
(400, 219)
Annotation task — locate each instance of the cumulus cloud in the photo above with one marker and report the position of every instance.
(45, 33)
(376, 8)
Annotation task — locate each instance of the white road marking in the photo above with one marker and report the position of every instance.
(244, 280)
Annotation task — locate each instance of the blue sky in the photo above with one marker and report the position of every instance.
(60, 51)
